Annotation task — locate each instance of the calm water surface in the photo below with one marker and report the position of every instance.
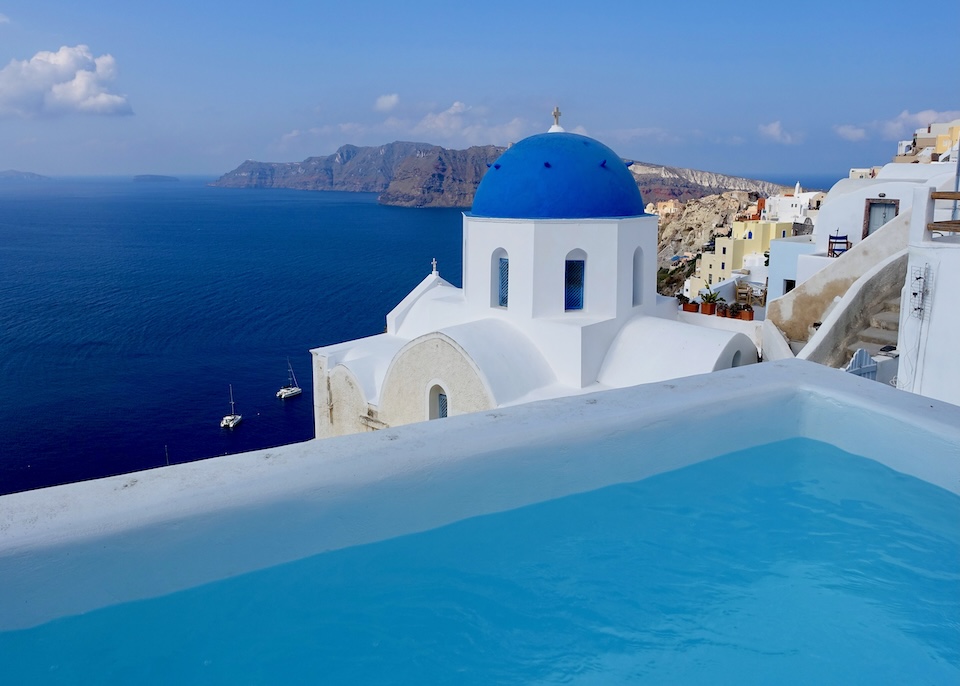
(127, 308)
(792, 563)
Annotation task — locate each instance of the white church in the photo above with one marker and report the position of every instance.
(559, 298)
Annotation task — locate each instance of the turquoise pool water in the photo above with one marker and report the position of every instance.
(791, 563)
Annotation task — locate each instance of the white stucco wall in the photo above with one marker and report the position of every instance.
(538, 249)
(845, 204)
(649, 349)
(345, 405)
(783, 262)
(928, 336)
(795, 312)
(750, 329)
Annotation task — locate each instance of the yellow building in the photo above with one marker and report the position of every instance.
(746, 238)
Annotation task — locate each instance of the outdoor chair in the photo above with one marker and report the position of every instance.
(837, 245)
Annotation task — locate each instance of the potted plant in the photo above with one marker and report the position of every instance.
(747, 312)
(734, 310)
(722, 309)
(708, 302)
(686, 304)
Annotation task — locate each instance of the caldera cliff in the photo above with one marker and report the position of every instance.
(423, 175)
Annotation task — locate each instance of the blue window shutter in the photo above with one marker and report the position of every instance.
(441, 405)
(573, 285)
(504, 280)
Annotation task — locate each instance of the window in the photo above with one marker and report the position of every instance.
(499, 278)
(573, 285)
(724, 250)
(504, 281)
(442, 403)
(789, 285)
(783, 234)
(749, 234)
(638, 277)
(723, 265)
(437, 400)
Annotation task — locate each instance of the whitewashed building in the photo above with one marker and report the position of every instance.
(854, 209)
(559, 298)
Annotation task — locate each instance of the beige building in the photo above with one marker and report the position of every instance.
(665, 208)
(929, 143)
(746, 238)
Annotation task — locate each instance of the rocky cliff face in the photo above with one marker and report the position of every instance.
(699, 222)
(659, 183)
(440, 177)
(408, 174)
(422, 175)
(693, 228)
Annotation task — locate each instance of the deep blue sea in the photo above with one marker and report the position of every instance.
(126, 310)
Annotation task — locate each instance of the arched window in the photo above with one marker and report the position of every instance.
(749, 234)
(573, 280)
(499, 278)
(438, 402)
(638, 277)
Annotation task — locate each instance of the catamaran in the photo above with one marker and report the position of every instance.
(291, 389)
(232, 419)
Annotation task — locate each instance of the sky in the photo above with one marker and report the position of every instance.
(110, 87)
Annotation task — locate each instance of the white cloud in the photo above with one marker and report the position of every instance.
(462, 124)
(70, 80)
(850, 132)
(446, 123)
(459, 126)
(904, 124)
(385, 103)
(774, 131)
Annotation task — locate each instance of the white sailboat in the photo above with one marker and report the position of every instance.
(232, 419)
(291, 389)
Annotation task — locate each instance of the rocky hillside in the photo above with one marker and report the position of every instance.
(694, 227)
(439, 177)
(699, 221)
(422, 175)
(658, 183)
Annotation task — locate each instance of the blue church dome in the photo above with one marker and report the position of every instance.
(558, 176)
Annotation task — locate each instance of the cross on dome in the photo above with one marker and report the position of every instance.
(556, 128)
(434, 263)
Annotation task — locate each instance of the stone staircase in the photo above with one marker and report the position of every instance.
(883, 330)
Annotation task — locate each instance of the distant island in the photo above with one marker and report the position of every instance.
(153, 178)
(423, 175)
(12, 175)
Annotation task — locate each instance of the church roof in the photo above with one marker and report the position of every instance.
(558, 176)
